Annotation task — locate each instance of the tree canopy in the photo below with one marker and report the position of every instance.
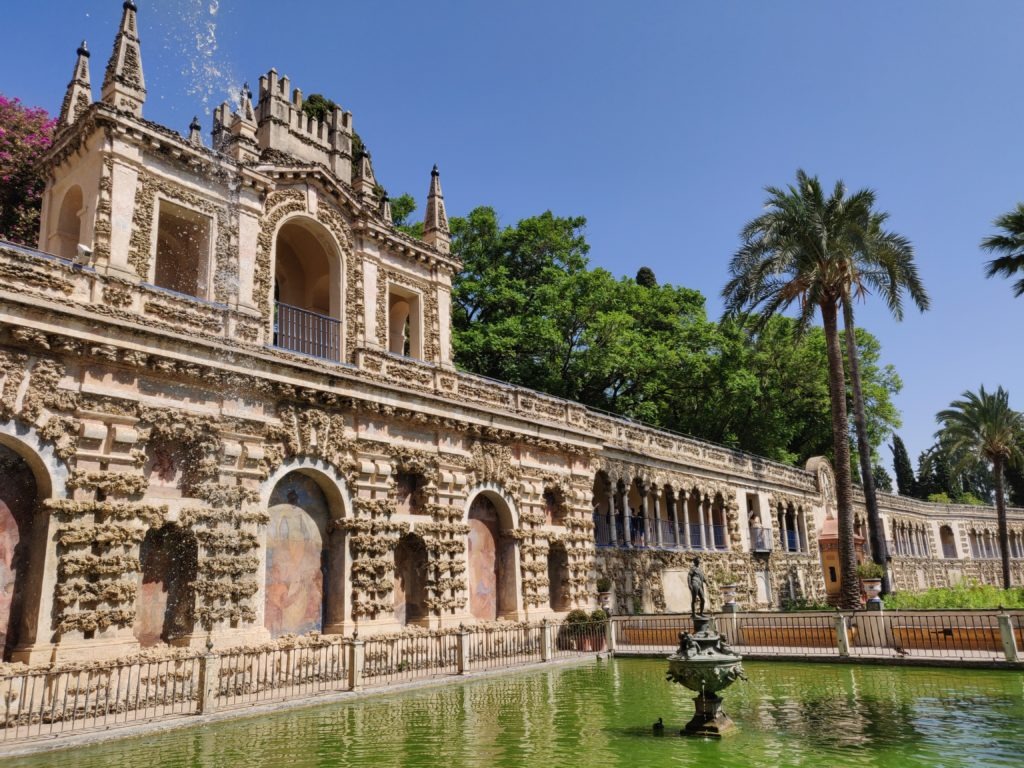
(530, 309)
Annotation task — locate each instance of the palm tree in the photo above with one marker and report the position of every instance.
(983, 426)
(1010, 243)
(883, 263)
(820, 253)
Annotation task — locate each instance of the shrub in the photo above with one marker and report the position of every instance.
(966, 594)
(604, 584)
(870, 570)
(599, 615)
(804, 604)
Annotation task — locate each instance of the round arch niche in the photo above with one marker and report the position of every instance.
(494, 571)
(29, 473)
(304, 552)
(308, 289)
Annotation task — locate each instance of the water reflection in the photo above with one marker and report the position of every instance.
(600, 714)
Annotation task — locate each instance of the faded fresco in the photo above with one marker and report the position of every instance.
(17, 500)
(492, 587)
(296, 556)
(166, 599)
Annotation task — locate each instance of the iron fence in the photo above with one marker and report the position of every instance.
(248, 677)
(921, 634)
(578, 638)
(494, 647)
(402, 659)
(99, 696)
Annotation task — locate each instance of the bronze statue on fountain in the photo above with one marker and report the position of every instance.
(704, 662)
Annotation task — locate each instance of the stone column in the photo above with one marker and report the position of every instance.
(784, 530)
(673, 513)
(702, 521)
(622, 496)
(657, 496)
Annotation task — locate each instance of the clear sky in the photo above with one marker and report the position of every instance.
(661, 122)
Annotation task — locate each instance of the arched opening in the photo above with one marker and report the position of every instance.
(21, 532)
(305, 560)
(669, 523)
(166, 605)
(788, 530)
(948, 542)
(410, 579)
(638, 527)
(307, 290)
(718, 527)
(182, 250)
(492, 560)
(405, 332)
(602, 505)
(69, 225)
(558, 578)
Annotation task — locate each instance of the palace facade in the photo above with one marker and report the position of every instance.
(228, 412)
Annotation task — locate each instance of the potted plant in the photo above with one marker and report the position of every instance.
(604, 589)
(870, 574)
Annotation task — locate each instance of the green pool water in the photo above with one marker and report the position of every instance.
(600, 713)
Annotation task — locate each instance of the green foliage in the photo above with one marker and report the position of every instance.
(318, 107)
(529, 309)
(905, 481)
(805, 604)
(645, 278)
(25, 135)
(599, 616)
(604, 584)
(883, 480)
(870, 570)
(967, 594)
(402, 207)
(1009, 244)
(939, 498)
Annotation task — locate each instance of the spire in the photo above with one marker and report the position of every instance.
(385, 209)
(366, 182)
(435, 223)
(195, 133)
(79, 94)
(124, 87)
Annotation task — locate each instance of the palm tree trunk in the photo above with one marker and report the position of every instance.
(1004, 537)
(849, 585)
(877, 536)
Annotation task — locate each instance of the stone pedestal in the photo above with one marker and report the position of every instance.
(709, 719)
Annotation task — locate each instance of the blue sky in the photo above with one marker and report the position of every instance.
(661, 122)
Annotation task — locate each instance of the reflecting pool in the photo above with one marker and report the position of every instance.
(600, 714)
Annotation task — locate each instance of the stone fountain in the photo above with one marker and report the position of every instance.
(704, 663)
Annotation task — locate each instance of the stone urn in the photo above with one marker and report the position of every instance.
(872, 588)
(705, 663)
(729, 594)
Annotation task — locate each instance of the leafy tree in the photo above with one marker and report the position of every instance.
(798, 251)
(983, 426)
(25, 135)
(402, 207)
(1010, 245)
(645, 277)
(883, 480)
(905, 481)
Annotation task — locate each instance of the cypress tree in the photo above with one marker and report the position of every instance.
(905, 482)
